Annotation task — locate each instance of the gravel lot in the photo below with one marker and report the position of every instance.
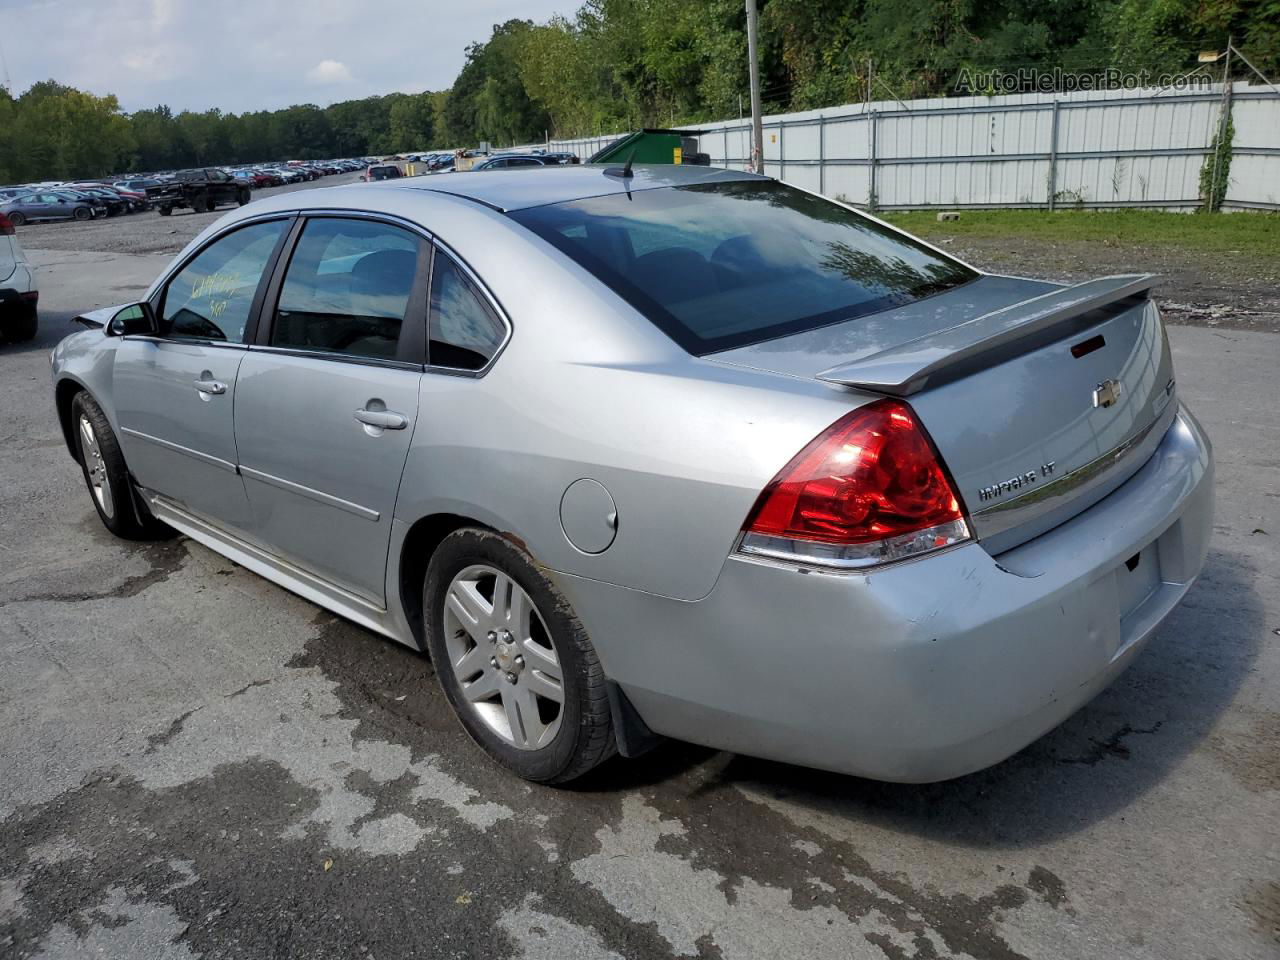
(194, 763)
(1237, 291)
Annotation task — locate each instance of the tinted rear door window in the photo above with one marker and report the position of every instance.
(717, 266)
(465, 332)
(347, 289)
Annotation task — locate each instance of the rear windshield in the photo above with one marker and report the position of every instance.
(384, 173)
(717, 266)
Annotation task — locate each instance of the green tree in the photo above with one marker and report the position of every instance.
(488, 101)
(1163, 36)
(412, 122)
(156, 136)
(62, 133)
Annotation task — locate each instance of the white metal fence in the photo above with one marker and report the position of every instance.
(1112, 148)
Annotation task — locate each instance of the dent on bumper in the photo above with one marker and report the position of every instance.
(924, 670)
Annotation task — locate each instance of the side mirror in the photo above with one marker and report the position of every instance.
(136, 318)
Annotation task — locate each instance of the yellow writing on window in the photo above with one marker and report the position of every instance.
(217, 283)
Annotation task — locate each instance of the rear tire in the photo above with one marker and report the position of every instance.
(200, 203)
(25, 329)
(242, 197)
(107, 477)
(537, 731)
(17, 219)
(82, 214)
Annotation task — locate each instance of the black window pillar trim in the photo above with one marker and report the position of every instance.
(268, 295)
(412, 345)
(269, 278)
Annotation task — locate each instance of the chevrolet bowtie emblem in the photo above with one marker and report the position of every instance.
(1107, 393)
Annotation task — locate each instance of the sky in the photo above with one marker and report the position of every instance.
(241, 55)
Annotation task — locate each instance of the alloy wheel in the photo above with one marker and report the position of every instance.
(503, 657)
(96, 468)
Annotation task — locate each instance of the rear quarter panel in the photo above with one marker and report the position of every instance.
(587, 388)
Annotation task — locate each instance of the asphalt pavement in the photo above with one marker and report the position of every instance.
(195, 763)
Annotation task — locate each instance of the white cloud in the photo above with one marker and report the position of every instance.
(161, 12)
(329, 71)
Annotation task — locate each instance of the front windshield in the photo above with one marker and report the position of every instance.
(721, 265)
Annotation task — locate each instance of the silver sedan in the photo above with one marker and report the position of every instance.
(664, 452)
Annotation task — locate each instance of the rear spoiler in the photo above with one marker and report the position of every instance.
(982, 341)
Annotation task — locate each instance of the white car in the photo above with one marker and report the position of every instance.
(18, 293)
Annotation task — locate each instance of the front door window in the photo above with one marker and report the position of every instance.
(212, 296)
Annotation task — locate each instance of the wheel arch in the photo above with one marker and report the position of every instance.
(416, 550)
(64, 395)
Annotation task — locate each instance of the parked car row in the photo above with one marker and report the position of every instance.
(294, 171)
(69, 201)
(512, 160)
(91, 199)
(204, 188)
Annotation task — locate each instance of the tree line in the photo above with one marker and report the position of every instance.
(621, 64)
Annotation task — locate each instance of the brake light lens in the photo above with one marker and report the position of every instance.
(869, 489)
(6, 227)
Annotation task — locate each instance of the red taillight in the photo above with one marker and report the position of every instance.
(6, 228)
(868, 489)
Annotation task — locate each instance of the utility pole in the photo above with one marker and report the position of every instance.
(757, 124)
(1224, 118)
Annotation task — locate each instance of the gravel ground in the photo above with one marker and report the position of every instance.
(1230, 292)
(194, 763)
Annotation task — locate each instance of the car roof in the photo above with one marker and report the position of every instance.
(538, 186)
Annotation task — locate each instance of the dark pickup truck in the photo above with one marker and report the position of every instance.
(201, 190)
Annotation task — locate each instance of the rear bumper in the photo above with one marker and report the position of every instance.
(925, 670)
(18, 296)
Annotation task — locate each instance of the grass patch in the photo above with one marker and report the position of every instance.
(1239, 233)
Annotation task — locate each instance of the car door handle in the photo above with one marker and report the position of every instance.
(386, 419)
(211, 386)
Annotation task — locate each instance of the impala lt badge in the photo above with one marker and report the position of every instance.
(997, 490)
(1107, 393)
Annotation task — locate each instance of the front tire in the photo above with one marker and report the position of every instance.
(515, 663)
(107, 477)
(165, 210)
(17, 219)
(82, 214)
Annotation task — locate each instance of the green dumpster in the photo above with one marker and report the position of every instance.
(654, 146)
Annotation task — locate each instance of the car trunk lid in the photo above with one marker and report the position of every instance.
(1039, 405)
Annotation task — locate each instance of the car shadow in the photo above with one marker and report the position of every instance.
(1097, 763)
(54, 325)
